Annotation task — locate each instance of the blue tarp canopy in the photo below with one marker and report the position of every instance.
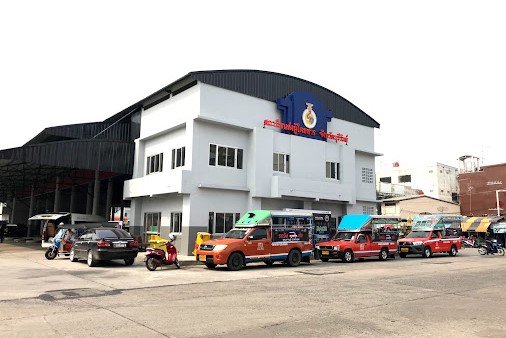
(354, 222)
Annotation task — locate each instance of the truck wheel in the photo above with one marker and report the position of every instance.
(453, 251)
(294, 258)
(348, 256)
(427, 252)
(235, 262)
(324, 259)
(383, 254)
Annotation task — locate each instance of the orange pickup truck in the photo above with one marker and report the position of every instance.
(261, 236)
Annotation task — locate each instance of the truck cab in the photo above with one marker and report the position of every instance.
(260, 236)
(432, 234)
(361, 236)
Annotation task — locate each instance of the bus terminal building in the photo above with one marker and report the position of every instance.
(215, 144)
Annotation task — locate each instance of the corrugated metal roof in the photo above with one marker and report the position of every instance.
(262, 84)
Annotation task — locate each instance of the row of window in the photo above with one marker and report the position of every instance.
(233, 158)
(402, 179)
(219, 222)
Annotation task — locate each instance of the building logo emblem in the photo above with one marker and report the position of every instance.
(309, 116)
(311, 123)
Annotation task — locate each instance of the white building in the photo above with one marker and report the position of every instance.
(438, 181)
(216, 144)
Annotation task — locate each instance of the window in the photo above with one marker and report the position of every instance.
(332, 170)
(260, 233)
(154, 164)
(178, 156)
(367, 210)
(281, 163)
(176, 219)
(225, 156)
(367, 176)
(151, 224)
(405, 179)
(386, 179)
(222, 222)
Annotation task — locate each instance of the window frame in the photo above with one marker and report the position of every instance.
(179, 217)
(154, 163)
(285, 160)
(225, 156)
(332, 168)
(178, 157)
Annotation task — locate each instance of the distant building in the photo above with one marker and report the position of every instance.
(438, 181)
(407, 207)
(481, 188)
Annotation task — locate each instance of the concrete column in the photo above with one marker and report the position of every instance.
(30, 212)
(57, 195)
(89, 198)
(72, 199)
(13, 210)
(96, 194)
(108, 202)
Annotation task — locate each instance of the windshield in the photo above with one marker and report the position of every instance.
(236, 233)
(418, 234)
(344, 236)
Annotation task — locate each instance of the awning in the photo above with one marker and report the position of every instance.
(478, 224)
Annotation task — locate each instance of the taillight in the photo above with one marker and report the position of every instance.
(133, 244)
(103, 243)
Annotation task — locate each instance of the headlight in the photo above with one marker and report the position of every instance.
(336, 248)
(220, 247)
(417, 243)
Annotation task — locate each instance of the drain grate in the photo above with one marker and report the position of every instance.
(320, 273)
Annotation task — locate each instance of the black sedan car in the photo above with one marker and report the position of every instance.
(104, 244)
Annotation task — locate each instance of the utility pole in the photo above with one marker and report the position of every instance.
(497, 201)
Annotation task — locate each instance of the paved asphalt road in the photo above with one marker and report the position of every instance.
(443, 296)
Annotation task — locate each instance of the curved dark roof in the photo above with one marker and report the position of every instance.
(262, 84)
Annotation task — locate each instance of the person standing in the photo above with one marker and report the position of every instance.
(2, 233)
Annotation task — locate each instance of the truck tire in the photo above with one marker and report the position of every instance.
(294, 257)
(383, 256)
(453, 251)
(235, 262)
(348, 256)
(427, 252)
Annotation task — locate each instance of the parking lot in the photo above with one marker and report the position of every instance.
(442, 296)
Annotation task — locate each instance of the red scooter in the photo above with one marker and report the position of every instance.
(166, 255)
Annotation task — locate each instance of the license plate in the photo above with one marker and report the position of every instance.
(404, 249)
(119, 245)
(325, 253)
(202, 258)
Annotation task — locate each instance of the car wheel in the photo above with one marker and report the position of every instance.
(91, 262)
(383, 256)
(129, 261)
(294, 258)
(235, 262)
(453, 251)
(151, 264)
(348, 256)
(72, 255)
(427, 252)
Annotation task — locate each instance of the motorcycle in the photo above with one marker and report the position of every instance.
(165, 254)
(470, 243)
(494, 248)
(57, 242)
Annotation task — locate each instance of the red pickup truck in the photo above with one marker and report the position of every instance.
(360, 236)
(432, 234)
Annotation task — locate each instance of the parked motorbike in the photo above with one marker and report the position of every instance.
(470, 243)
(166, 254)
(493, 248)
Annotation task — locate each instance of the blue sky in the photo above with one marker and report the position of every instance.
(432, 73)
